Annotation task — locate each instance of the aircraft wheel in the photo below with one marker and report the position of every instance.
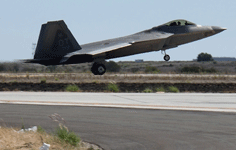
(166, 57)
(98, 69)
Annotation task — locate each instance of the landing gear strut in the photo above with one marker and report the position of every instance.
(166, 57)
(98, 69)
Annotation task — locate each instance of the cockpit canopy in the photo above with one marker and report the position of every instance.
(178, 23)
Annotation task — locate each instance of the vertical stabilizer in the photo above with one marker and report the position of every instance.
(55, 41)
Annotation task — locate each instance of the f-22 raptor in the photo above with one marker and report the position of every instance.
(57, 46)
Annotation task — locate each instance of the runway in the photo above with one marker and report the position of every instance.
(169, 101)
(132, 129)
(130, 121)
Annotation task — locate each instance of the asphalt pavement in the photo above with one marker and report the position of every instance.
(120, 121)
(132, 129)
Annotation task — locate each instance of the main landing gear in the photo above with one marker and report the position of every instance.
(98, 69)
(166, 57)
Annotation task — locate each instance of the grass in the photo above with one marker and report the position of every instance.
(66, 136)
(62, 138)
(72, 88)
(40, 130)
(10, 139)
(173, 89)
(151, 69)
(43, 80)
(112, 87)
(22, 124)
(13, 81)
(160, 89)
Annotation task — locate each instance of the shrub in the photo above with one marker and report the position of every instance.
(151, 69)
(173, 89)
(197, 69)
(160, 89)
(134, 70)
(66, 136)
(28, 69)
(72, 88)
(14, 81)
(147, 90)
(2, 67)
(16, 67)
(112, 87)
(211, 70)
(112, 66)
(43, 80)
(204, 57)
(193, 69)
(52, 68)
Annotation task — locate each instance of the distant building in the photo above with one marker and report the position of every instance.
(139, 60)
(222, 59)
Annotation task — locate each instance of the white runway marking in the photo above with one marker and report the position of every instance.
(181, 101)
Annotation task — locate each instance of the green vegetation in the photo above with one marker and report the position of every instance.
(134, 70)
(121, 67)
(197, 69)
(112, 87)
(43, 80)
(52, 68)
(160, 89)
(22, 124)
(112, 66)
(15, 67)
(13, 81)
(40, 130)
(204, 57)
(214, 62)
(151, 69)
(148, 90)
(2, 67)
(61, 138)
(67, 137)
(173, 89)
(72, 88)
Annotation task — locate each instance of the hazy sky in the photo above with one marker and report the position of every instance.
(91, 21)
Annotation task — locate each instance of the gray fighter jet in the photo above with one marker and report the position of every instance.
(56, 44)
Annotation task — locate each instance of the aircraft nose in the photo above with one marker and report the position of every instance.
(218, 29)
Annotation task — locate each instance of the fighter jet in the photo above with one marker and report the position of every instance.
(57, 46)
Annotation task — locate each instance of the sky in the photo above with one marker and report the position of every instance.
(96, 20)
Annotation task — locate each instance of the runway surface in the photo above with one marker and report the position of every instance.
(133, 129)
(131, 120)
(179, 101)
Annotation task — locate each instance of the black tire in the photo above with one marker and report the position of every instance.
(93, 69)
(98, 69)
(166, 57)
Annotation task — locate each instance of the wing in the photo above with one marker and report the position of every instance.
(108, 46)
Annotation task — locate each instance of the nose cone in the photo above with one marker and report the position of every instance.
(218, 29)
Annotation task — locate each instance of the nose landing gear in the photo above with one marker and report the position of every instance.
(166, 57)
